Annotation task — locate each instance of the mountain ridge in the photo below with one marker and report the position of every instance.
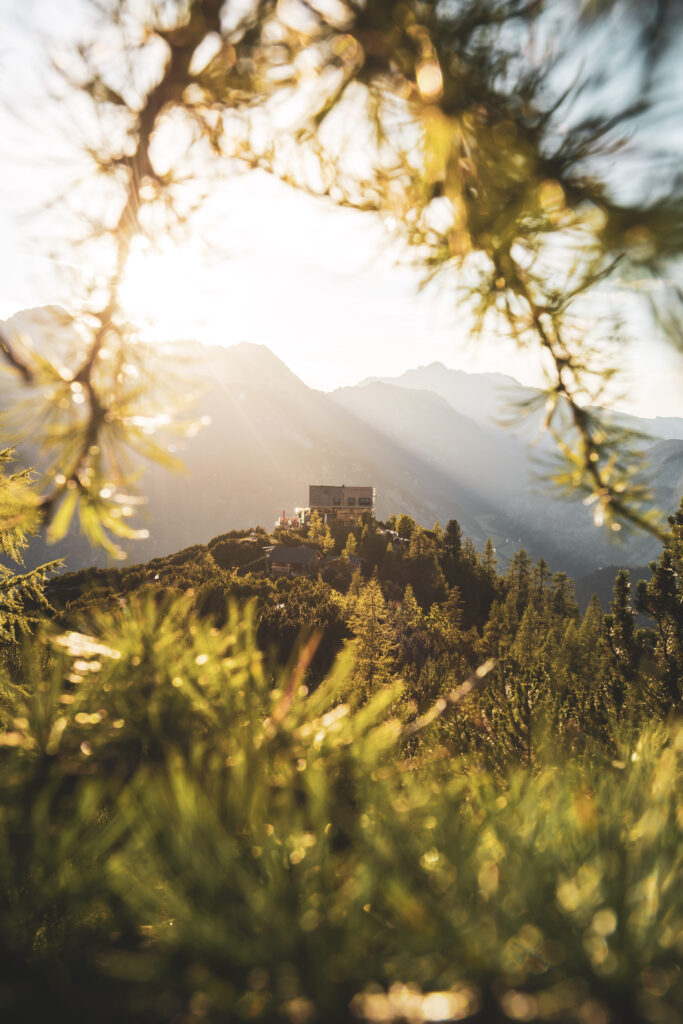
(442, 379)
(270, 435)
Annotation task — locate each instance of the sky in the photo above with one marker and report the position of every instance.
(324, 287)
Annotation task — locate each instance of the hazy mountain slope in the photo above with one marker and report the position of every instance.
(495, 399)
(429, 427)
(502, 469)
(482, 396)
(269, 439)
(270, 435)
(664, 427)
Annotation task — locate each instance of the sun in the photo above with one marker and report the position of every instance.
(160, 288)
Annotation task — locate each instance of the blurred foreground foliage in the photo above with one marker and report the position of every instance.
(190, 832)
(18, 520)
(179, 840)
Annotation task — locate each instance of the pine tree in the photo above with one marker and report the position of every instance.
(562, 600)
(592, 652)
(437, 531)
(489, 561)
(518, 578)
(469, 553)
(418, 543)
(412, 637)
(591, 623)
(529, 636)
(350, 547)
(520, 709)
(453, 537)
(662, 599)
(355, 586)
(316, 529)
(540, 576)
(620, 633)
(370, 626)
(410, 610)
(591, 675)
(405, 526)
(620, 624)
(453, 608)
(327, 541)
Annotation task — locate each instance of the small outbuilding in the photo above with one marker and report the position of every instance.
(294, 560)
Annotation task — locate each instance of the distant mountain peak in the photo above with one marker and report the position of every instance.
(247, 363)
(40, 322)
(253, 348)
(485, 397)
(436, 365)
